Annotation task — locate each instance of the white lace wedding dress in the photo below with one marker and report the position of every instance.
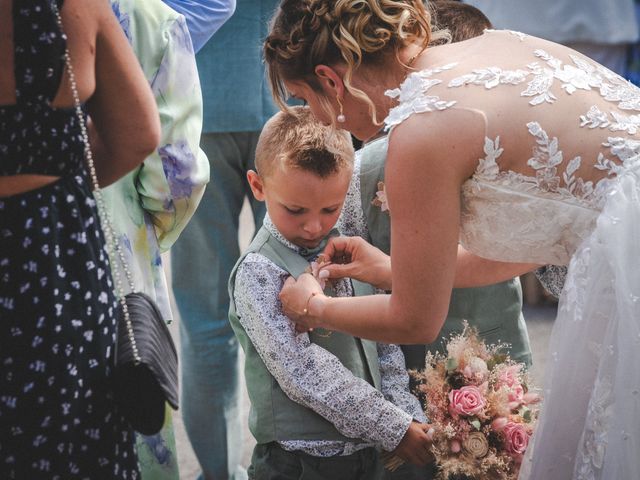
(576, 201)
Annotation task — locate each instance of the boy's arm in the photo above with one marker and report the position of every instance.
(307, 373)
(171, 181)
(395, 381)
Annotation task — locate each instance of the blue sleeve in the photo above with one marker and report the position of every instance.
(204, 17)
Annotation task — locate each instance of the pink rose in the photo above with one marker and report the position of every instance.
(516, 439)
(467, 400)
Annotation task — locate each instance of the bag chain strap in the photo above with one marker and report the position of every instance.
(114, 246)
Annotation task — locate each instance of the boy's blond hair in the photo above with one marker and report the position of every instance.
(294, 138)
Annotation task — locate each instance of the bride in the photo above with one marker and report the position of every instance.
(523, 150)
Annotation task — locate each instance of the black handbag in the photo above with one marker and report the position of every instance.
(146, 362)
(146, 371)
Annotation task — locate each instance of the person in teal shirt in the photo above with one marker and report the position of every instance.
(237, 102)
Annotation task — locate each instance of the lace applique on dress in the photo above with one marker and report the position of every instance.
(520, 35)
(491, 77)
(582, 75)
(547, 156)
(594, 441)
(412, 96)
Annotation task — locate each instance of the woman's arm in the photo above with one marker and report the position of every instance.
(353, 257)
(172, 179)
(474, 271)
(125, 121)
(424, 195)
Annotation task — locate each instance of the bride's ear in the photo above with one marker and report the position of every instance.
(330, 80)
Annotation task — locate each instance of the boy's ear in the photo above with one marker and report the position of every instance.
(256, 184)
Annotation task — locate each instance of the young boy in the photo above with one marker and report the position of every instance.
(321, 402)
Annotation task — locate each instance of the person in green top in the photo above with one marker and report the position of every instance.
(151, 205)
(321, 402)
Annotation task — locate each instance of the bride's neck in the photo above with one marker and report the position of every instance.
(389, 75)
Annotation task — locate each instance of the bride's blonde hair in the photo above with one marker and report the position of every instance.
(307, 33)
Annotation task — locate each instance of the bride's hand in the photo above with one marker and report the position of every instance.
(353, 257)
(297, 297)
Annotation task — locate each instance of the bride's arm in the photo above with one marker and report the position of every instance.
(474, 271)
(357, 259)
(424, 195)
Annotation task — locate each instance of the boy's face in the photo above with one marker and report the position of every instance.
(303, 207)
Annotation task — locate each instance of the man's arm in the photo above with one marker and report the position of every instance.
(204, 17)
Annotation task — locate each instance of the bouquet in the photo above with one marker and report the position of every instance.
(481, 409)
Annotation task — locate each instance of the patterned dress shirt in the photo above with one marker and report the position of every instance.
(378, 418)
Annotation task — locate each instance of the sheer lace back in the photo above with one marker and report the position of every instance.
(533, 163)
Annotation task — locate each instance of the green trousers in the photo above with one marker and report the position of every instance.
(271, 462)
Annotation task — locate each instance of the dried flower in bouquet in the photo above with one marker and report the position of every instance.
(481, 407)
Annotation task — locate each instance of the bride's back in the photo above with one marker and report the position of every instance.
(529, 92)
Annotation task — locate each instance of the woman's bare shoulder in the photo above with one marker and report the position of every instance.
(454, 137)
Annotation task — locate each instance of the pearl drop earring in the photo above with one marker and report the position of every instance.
(341, 118)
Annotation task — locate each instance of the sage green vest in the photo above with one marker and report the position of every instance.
(496, 310)
(273, 416)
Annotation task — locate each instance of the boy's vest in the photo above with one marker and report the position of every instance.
(496, 310)
(273, 416)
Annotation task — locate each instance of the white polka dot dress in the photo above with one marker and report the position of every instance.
(58, 419)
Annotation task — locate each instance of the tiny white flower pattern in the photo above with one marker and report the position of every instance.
(258, 282)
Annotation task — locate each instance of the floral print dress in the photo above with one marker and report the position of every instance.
(150, 206)
(58, 419)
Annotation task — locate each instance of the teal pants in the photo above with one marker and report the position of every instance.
(271, 462)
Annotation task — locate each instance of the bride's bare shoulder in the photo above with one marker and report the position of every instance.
(453, 138)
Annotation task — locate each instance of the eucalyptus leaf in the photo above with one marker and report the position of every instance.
(452, 364)
(475, 422)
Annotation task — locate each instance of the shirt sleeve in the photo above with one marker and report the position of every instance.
(204, 17)
(395, 381)
(352, 222)
(307, 373)
(552, 278)
(172, 180)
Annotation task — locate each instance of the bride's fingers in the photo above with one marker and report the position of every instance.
(336, 270)
(338, 249)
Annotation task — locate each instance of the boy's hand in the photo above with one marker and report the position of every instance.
(415, 446)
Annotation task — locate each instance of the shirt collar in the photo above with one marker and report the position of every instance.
(308, 253)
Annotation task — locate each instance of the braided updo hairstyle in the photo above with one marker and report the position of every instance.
(307, 33)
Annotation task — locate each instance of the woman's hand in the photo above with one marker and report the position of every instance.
(299, 299)
(353, 257)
